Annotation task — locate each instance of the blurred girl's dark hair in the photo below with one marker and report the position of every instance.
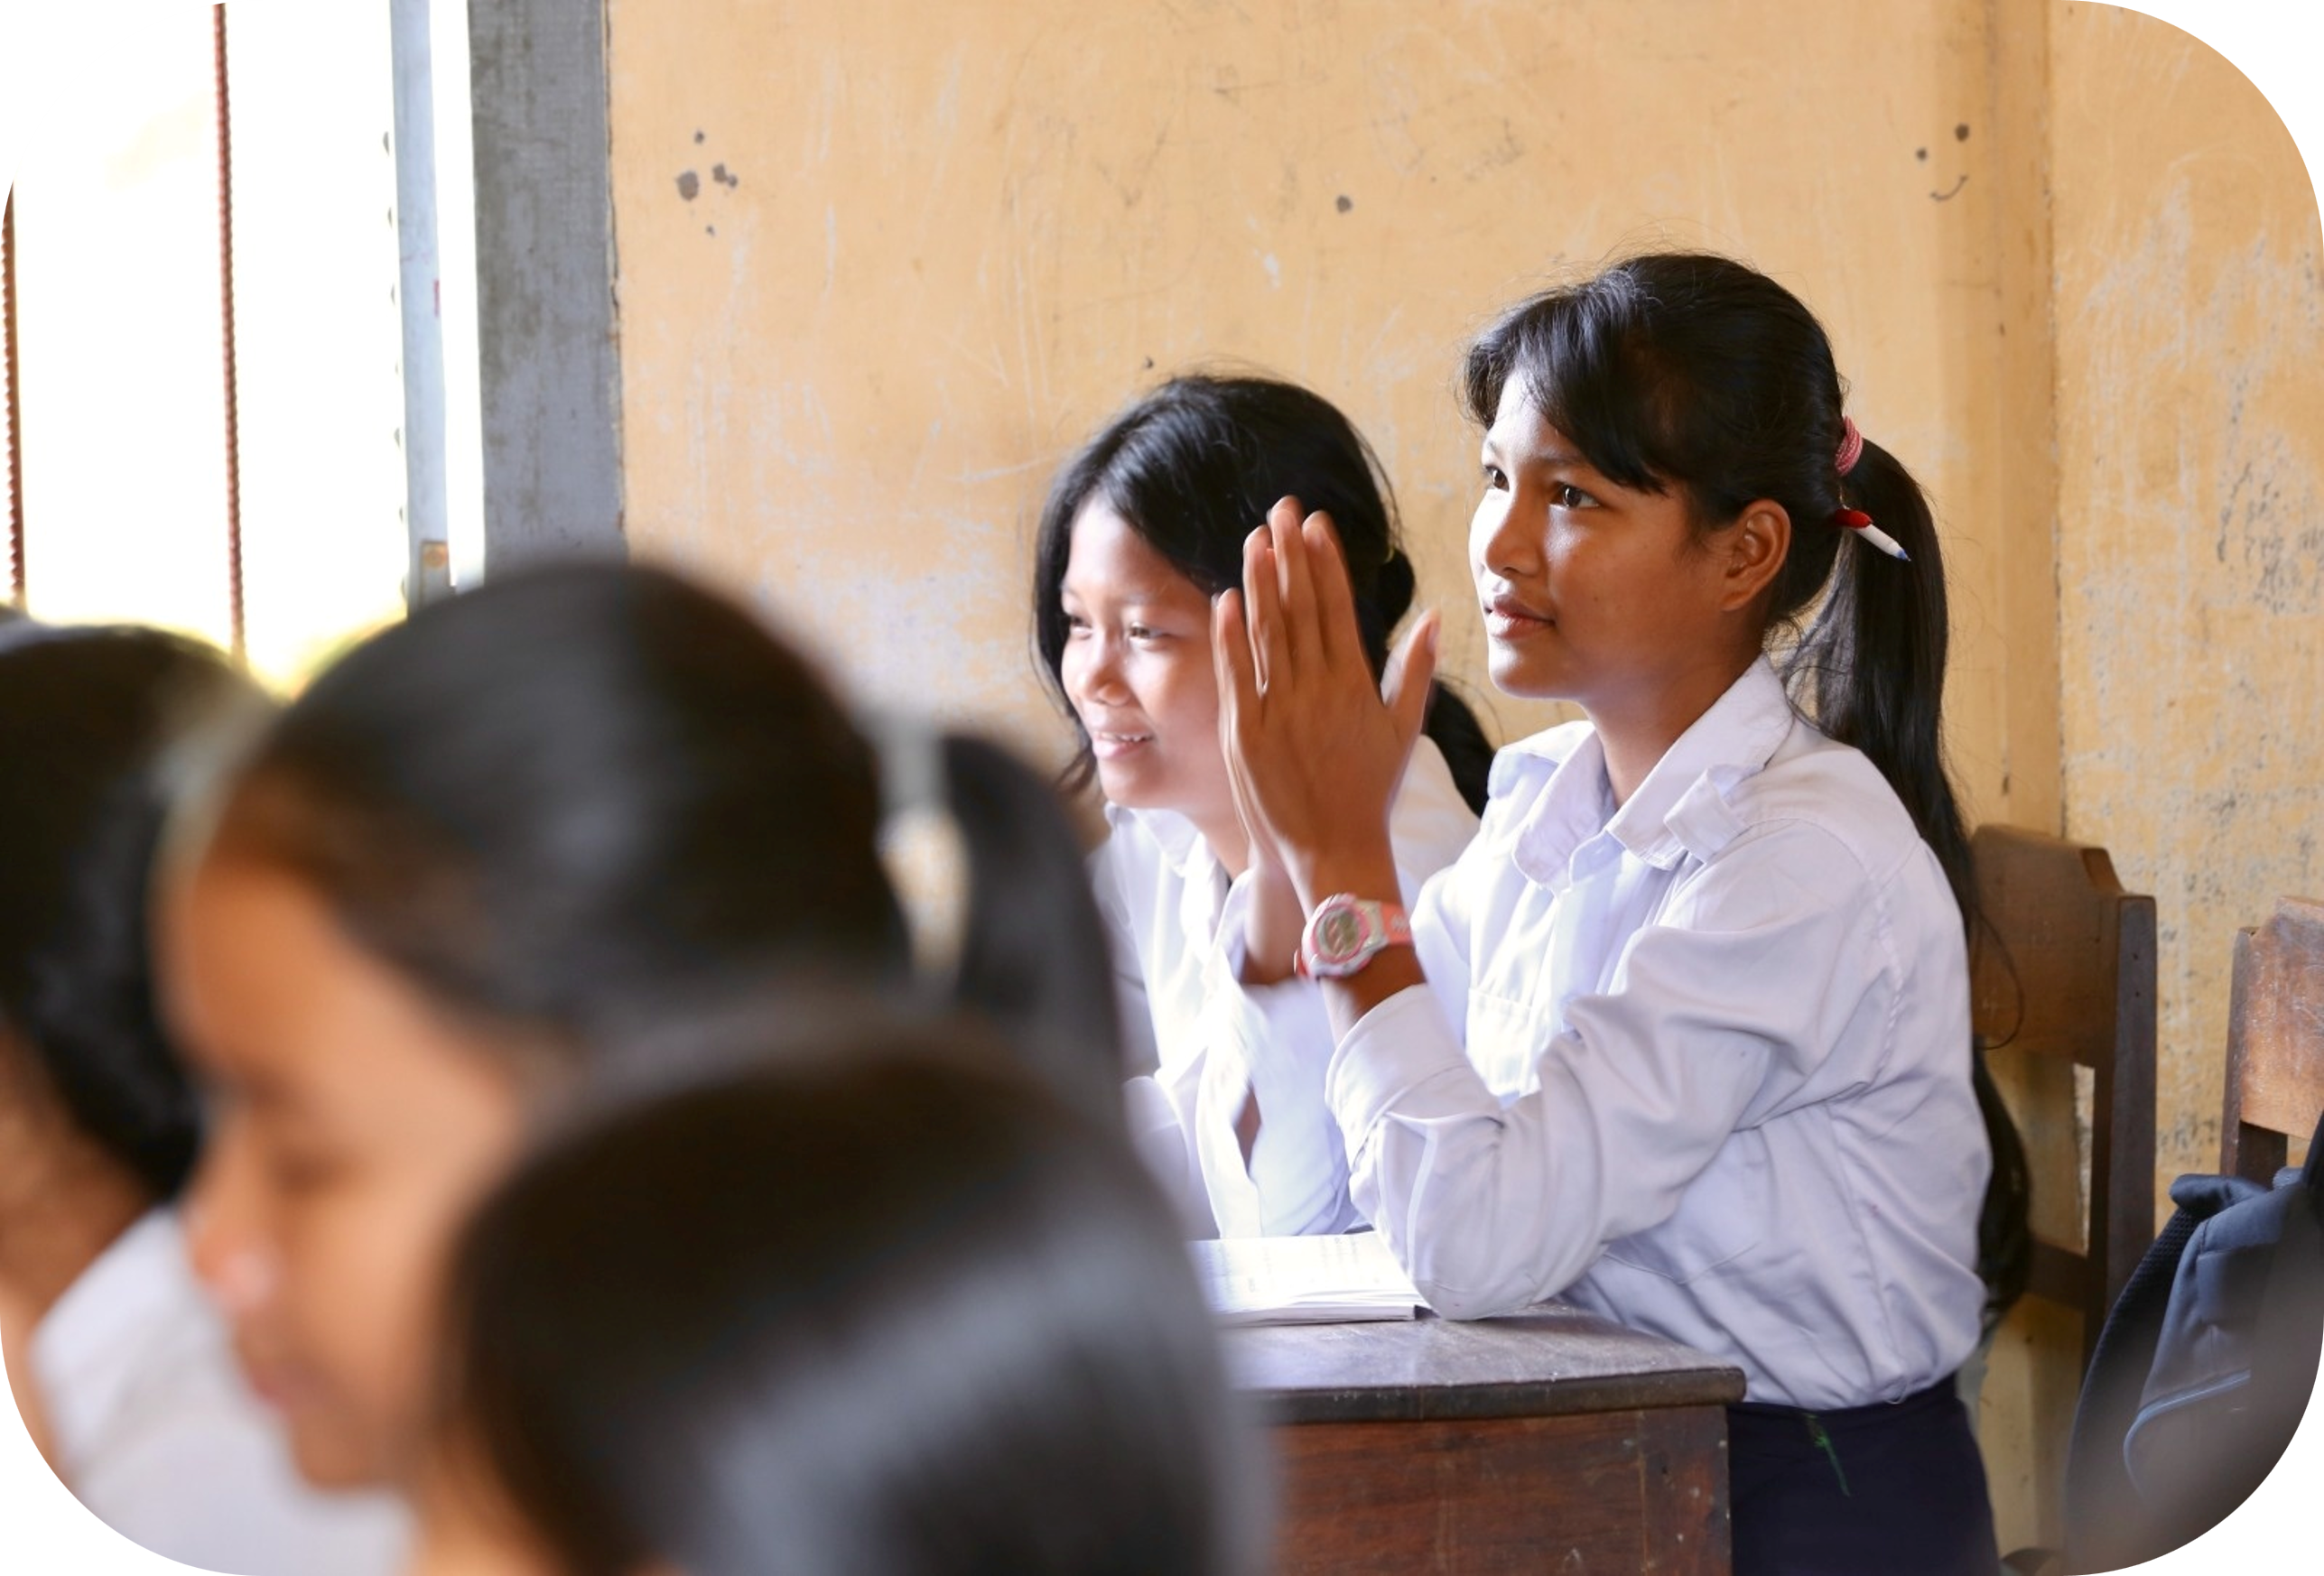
(581, 796)
(1695, 375)
(88, 719)
(1193, 468)
(882, 1310)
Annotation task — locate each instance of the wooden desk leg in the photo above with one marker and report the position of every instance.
(1611, 1491)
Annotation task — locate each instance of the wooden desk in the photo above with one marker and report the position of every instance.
(1548, 1441)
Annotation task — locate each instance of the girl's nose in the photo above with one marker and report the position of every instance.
(1101, 676)
(229, 1253)
(1501, 541)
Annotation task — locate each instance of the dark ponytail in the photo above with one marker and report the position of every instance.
(1449, 723)
(1033, 956)
(1870, 668)
(1193, 468)
(1460, 739)
(582, 797)
(1694, 373)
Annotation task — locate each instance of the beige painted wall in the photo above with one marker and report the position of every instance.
(879, 275)
(920, 263)
(2190, 425)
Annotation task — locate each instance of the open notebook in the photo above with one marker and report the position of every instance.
(1304, 1280)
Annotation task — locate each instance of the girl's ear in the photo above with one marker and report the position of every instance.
(1756, 546)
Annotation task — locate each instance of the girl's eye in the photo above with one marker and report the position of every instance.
(1076, 625)
(1569, 496)
(297, 1165)
(1143, 632)
(295, 1174)
(1495, 479)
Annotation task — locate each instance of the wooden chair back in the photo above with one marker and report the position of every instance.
(2072, 978)
(2275, 1040)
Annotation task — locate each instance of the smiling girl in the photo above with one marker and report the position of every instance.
(1140, 530)
(1684, 1035)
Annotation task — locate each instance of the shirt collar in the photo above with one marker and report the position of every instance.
(1679, 810)
(1183, 848)
(85, 1349)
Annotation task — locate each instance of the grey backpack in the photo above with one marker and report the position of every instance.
(2204, 1368)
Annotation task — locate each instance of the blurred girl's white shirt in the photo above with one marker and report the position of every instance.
(152, 1427)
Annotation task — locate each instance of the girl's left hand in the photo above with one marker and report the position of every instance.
(1314, 750)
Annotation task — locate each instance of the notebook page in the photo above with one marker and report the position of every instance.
(1304, 1280)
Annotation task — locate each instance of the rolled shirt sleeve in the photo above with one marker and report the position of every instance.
(1717, 1017)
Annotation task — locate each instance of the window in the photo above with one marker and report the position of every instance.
(206, 397)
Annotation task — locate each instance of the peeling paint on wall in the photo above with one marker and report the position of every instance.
(2191, 336)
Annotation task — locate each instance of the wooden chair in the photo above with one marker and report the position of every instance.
(2275, 1040)
(2073, 979)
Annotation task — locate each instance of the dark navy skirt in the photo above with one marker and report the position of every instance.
(1896, 1489)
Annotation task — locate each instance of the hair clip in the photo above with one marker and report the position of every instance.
(1858, 521)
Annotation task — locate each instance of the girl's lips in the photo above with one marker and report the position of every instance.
(1113, 746)
(268, 1384)
(273, 1380)
(1506, 618)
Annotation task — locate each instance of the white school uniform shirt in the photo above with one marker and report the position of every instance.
(1700, 1064)
(155, 1432)
(1175, 924)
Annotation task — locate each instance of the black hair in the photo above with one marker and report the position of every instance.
(581, 795)
(88, 719)
(1193, 468)
(881, 1310)
(1695, 375)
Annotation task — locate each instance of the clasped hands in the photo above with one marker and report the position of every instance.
(1314, 748)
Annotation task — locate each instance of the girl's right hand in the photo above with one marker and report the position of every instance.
(1315, 745)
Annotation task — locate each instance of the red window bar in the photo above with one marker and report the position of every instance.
(226, 284)
(12, 404)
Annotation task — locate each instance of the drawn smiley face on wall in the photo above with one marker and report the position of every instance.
(1942, 191)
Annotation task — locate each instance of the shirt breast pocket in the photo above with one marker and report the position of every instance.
(1722, 1216)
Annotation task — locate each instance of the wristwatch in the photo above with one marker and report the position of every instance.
(1345, 933)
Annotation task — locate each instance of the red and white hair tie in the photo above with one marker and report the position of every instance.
(1852, 449)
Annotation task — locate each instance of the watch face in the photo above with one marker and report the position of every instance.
(1339, 933)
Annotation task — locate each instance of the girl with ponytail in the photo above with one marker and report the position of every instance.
(1684, 1035)
(1141, 529)
(475, 872)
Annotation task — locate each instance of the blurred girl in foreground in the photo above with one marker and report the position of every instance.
(484, 848)
(123, 1373)
(873, 1308)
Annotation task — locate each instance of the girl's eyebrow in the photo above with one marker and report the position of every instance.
(1549, 455)
(1125, 596)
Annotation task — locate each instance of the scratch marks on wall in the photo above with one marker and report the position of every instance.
(1129, 177)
